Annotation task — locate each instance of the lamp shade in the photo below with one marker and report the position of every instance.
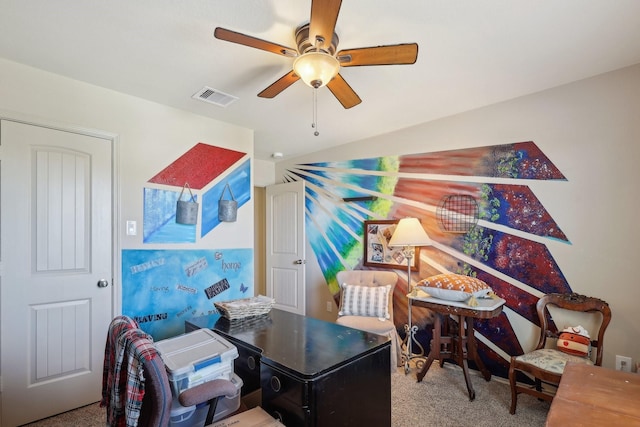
(316, 69)
(409, 232)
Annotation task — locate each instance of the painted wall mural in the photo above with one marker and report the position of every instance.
(163, 288)
(160, 224)
(239, 180)
(199, 168)
(507, 242)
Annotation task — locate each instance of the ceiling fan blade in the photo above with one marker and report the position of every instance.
(243, 39)
(324, 14)
(279, 85)
(341, 90)
(379, 55)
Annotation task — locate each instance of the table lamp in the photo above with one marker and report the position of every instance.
(409, 234)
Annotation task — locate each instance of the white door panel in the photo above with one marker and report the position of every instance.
(56, 244)
(286, 246)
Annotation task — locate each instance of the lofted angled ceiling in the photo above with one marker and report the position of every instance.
(472, 53)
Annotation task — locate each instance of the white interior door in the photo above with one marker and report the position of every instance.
(285, 246)
(56, 246)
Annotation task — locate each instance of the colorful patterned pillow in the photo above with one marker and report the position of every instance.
(371, 301)
(573, 343)
(454, 287)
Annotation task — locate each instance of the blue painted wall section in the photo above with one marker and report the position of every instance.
(240, 182)
(160, 218)
(163, 288)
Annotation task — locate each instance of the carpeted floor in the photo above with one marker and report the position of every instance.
(440, 400)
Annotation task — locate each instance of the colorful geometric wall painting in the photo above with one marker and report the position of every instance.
(163, 288)
(240, 182)
(159, 225)
(199, 166)
(522, 160)
(506, 241)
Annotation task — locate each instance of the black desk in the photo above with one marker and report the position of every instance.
(311, 372)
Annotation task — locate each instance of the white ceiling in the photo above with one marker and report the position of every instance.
(471, 53)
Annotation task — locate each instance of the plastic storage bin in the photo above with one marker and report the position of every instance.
(196, 357)
(184, 416)
(195, 416)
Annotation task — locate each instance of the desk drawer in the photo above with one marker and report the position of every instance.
(285, 397)
(247, 366)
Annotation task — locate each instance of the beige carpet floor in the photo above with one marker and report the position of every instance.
(440, 400)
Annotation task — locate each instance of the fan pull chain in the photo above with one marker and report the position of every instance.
(315, 112)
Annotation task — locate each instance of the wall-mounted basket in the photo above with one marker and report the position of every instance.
(457, 213)
(227, 209)
(186, 210)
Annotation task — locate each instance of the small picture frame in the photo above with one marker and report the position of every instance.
(378, 253)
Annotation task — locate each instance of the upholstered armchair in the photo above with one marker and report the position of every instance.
(366, 303)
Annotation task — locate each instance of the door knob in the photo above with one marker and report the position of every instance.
(299, 261)
(103, 283)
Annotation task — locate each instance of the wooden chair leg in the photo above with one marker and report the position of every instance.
(514, 391)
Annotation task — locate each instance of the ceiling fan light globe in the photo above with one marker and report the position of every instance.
(316, 69)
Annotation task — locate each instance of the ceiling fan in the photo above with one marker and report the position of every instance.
(316, 61)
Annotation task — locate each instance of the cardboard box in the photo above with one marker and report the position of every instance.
(256, 417)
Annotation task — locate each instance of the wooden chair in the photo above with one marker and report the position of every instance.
(374, 325)
(547, 364)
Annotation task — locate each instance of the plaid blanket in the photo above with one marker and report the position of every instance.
(123, 377)
(119, 325)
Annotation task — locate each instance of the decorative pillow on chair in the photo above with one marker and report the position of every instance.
(454, 287)
(575, 341)
(371, 301)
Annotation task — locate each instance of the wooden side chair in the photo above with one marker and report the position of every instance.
(546, 363)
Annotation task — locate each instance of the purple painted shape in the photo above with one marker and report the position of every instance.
(520, 209)
(520, 301)
(499, 330)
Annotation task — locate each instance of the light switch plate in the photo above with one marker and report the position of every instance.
(623, 363)
(132, 228)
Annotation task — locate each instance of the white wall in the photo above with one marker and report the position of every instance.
(150, 136)
(591, 131)
(263, 173)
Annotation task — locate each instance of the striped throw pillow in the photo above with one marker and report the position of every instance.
(371, 301)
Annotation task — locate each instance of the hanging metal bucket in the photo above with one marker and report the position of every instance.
(227, 209)
(186, 210)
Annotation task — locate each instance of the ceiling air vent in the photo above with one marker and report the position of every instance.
(214, 96)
